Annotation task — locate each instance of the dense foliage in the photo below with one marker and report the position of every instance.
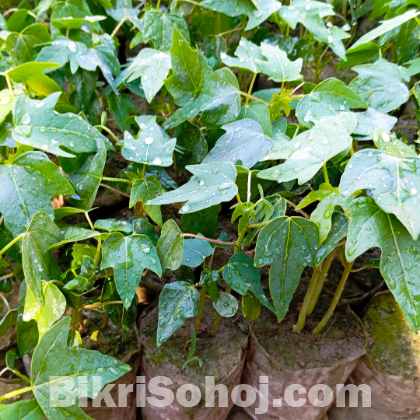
(162, 103)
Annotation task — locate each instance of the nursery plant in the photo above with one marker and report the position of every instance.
(189, 109)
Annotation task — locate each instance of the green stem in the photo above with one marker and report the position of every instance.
(325, 268)
(14, 393)
(336, 299)
(143, 172)
(324, 169)
(200, 309)
(215, 241)
(10, 244)
(127, 181)
(102, 127)
(75, 315)
(306, 302)
(158, 5)
(115, 190)
(251, 86)
(9, 85)
(117, 28)
(254, 98)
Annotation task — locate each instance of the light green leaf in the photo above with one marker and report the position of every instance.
(328, 98)
(7, 103)
(37, 262)
(219, 102)
(22, 410)
(74, 234)
(371, 227)
(241, 274)
(145, 190)
(359, 55)
(38, 125)
(32, 74)
(129, 256)
(47, 365)
(170, 246)
(386, 26)
(151, 146)
(21, 47)
(159, 29)
(211, 185)
(129, 14)
(277, 66)
(177, 302)
(29, 184)
(244, 140)
(258, 111)
(114, 225)
(246, 55)
(288, 244)
(369, 121)
(195, 252)
(393, 182)
(309, 151)
(34, 319)
(338, 232)
(381, 85)
(226, 305)
(189, 69)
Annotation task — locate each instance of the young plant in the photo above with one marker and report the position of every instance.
(209, 113)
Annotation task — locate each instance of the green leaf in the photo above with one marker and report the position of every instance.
(386, 26)
(338, 232)
(359, 55)
(39, 126)
(371, 227)
(170, 246)
(328, 198)
(309, 151)
(393, 182)
(202, 221)
(7, 322)
(328, 98)
(219, 102)
(381, 85)
(129, 256)
(114, 225)
(277, 66)
(22, 410)
(177, 302)
(241, 274)
(244, 140)
(195, 252)
(34, 319)
(21, 47)
(151, 146)
(74, 234)
(32, 74)
(87, 178)
(37, 263)
(159, 29)
(120, 106)
(189, 69)
(369, 121)
(288, 244)
(7, 103)
(226, 305)
(47, 365)
(258, 112)
(209, 280)
(145, 190)
(193, 143)
(29, 184)
(246, 58)
(211, 185)
(236, 8)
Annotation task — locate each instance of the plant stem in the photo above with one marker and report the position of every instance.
(158, 5)
(105, 178)
(115, 190)
(335, 300)
(255, 98)
(238, 197)
(325, 268)
(251, 86)
(143, 172)
(98, 305)
(7, 276)
(238, 28)
(215, 241)
(306, 302)
(300, 211)
(89, 220)
(14, 393)
(9, 85)
(117, 28)
(109, 132)
(203, 293)
(218, 319)
(192, 2)
(324, 169)
(248, 195)
(10, 244)
(5, 302)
